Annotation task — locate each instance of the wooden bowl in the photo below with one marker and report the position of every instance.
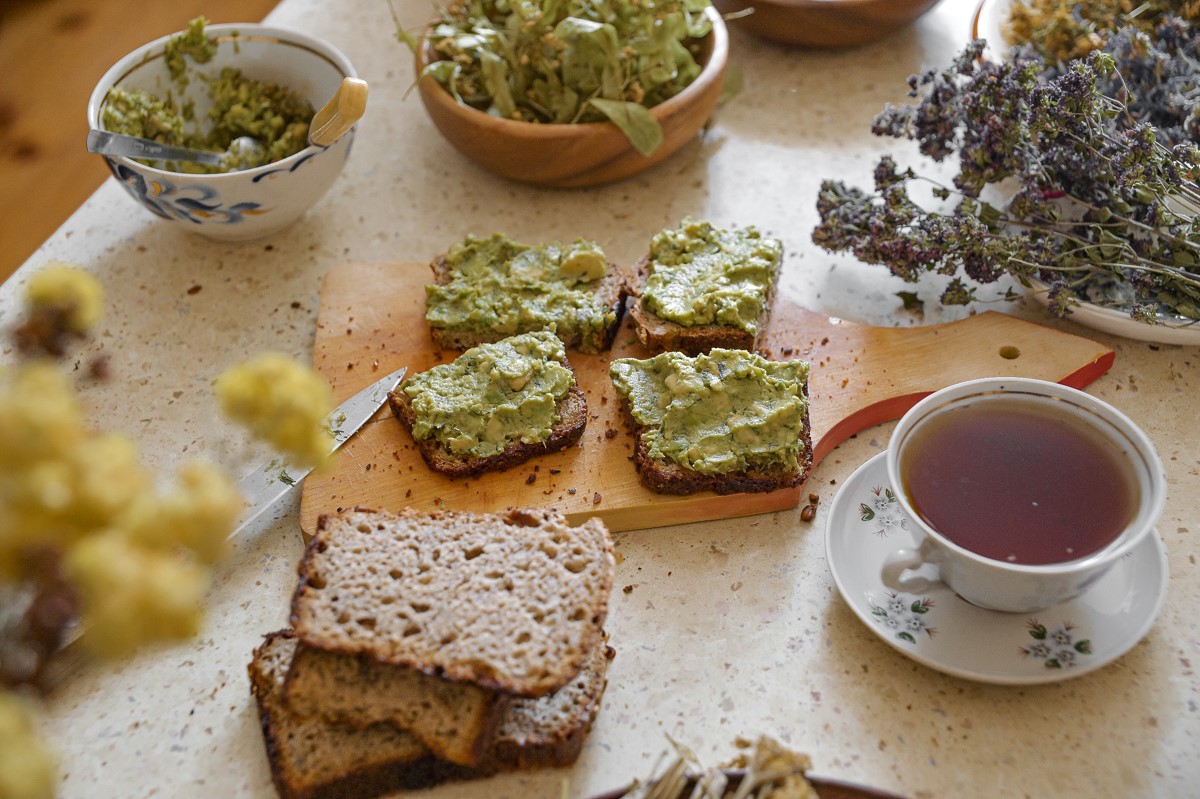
(589, 154)
(824, 23)
(826, 788)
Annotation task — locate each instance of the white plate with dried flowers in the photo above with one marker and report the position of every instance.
(1166, 330)
(946, 633)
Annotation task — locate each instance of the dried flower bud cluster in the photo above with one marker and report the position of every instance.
(1102, 210)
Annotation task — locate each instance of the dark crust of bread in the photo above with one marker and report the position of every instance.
(663, 335)
(611, 289)
(564, 746)
(422, 772)
(667, 477)
(572, 419)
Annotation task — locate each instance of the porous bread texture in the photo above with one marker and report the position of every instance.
(551, 730)
(316, 759)
(662, 335)
(513, 602)
(311, 759)
(610, 290)
(572, 419)
(454, 720)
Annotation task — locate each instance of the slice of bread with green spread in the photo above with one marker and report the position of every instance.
(701, 287)
(486, 289)
(728, 421)
(494, 407)
(513, 602)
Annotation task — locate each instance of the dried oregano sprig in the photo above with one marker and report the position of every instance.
(1101, 212)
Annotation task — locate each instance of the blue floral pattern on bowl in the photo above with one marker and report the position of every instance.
(189, 202)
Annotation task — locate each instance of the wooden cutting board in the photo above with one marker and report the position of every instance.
(371, 322)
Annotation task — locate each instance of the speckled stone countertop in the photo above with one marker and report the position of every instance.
(723, 628)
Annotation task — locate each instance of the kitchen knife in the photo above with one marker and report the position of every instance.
(276, 477)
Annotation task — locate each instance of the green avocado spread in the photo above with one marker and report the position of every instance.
(727, 411)
(502, 287)
(703, 275)
(492, 395)
(276, 117)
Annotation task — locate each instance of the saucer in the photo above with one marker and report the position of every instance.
(944, 632)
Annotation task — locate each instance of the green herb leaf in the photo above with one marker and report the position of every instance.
(635, 121)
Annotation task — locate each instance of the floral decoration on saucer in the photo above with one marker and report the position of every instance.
(947, 633)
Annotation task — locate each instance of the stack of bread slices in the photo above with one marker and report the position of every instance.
(435, 646)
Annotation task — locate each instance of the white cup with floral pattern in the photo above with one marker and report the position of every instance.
(1022, 492)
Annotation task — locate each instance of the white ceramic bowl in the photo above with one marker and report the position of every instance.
(249, 204)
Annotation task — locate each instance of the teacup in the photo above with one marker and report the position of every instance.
(1022, 493)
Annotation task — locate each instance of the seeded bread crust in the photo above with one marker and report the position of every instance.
(610, 289)
(513, 602)
(311, 759)
(668, 477)
(455, 721)
(572, 419)
(663, 335)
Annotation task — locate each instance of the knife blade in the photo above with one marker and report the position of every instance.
(270, 481)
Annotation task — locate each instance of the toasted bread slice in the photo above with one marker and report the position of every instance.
(514, 602)
(610, 292)
(455, 721)
(661, 335)
(572, 419)
(667, 477)
(663, 474)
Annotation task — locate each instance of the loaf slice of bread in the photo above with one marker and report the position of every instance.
(550, 731)
(317, 759)
(311, 759)
(513, 601)
(490, 409)
(666, 476)
(610, 292)
(454, 720)
(572, 419)
(661, 335)
(691, 245)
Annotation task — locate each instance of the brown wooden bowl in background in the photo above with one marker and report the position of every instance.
(589, 154)
(824, 23)
(825, 788)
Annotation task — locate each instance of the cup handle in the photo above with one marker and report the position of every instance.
(899, 569)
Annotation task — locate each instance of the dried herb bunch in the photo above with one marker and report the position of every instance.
(568, 61)
(1099, 208)
(1060, 30)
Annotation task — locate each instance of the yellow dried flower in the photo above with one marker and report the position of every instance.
(26, 766)
(198, 512)
(68, 291)
(131, 595)
(282, 402)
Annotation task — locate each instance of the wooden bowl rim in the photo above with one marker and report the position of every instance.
(710, 73)
(829, 5)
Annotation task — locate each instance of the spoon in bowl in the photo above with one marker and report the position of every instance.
(328, 125)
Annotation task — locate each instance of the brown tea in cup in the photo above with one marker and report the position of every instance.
(1017, 483)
